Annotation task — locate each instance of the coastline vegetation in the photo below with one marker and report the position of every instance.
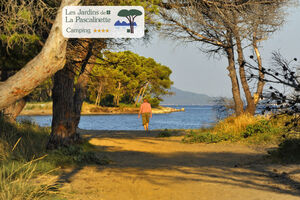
(253, 130)
(45, 108)
(245, 128)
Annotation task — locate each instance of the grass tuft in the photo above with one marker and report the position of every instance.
(20, 146)
(245, 128)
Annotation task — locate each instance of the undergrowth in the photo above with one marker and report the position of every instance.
(164, 133)
(245, 128)
(287, 152)
(24, 159)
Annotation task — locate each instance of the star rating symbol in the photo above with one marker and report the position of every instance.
(101, 30)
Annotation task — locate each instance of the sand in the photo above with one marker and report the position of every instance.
(144, 167)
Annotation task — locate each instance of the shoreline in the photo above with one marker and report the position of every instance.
(46, 109)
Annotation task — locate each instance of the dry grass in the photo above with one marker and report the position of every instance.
(235, 125)
(258, 129)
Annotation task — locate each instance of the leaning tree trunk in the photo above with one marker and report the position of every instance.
(261, 76)
(145, 88)
(13, 111)
(238, 103)
(119, 94)
(45, 64)
(138, 97)
(99, 93)
(63, 131)
(251, 107)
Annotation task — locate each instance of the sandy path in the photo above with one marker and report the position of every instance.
(148, 168)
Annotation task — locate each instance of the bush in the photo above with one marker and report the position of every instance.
(74, 155)
(202, 138)
(288, 151)
(154, 102)
(236, 125)
(164, 133)
(262, 126)
(246, 128)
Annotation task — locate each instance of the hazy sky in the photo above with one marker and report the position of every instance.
(194, 71)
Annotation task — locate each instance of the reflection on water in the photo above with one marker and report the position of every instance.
(193, 117)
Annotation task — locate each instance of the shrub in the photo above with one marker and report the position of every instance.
(74, 155)
(262, 126)
(235, 125)
(246, 128)
(164, 133)
(288, 151)
(154, 102)
(202, 138)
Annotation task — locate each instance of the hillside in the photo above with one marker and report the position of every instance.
(182, 97)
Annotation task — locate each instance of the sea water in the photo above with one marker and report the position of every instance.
(193, 117)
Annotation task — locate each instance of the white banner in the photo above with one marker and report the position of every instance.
(103, 21)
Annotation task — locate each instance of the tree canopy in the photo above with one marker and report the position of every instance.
(127, 13)
(123, 76)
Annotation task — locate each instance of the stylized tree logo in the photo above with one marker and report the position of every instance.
(130, 15)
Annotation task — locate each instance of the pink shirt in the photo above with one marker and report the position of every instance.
(145, 108)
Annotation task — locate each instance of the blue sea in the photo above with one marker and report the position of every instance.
(193, 117)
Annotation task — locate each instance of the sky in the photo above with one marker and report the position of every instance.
(194, 71)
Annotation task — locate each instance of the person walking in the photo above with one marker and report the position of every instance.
(146, 112)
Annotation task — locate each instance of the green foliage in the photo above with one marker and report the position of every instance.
(25, 15)
(204, 137)
(17, 182)
(42, 93)
(74, 155)
(154, 102)
(31, 140)
(120, 76)
(164, 133)
(288, 151)
(262, 126)
(24, 159)
(258, 131)
(19, 144)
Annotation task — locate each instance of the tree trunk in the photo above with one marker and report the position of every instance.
(131, 26)
(251, 107)
(67, 104)
(99, 92)
(238, 103)
(13, 111)
(145, 88)
(45, 64)
(63, 124)
(261, 83)
(138, 97)
(82, 82)
(118, 94)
